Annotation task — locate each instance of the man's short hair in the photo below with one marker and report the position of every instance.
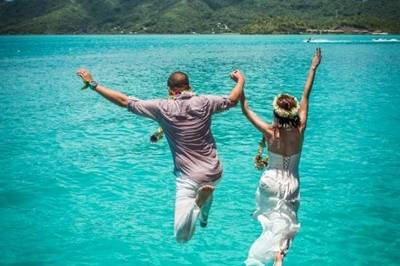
(178, 79)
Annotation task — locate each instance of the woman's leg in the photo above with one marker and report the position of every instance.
(278, 259)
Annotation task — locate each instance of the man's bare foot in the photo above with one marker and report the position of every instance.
(203, 194)
(278, 259)
(203, 224)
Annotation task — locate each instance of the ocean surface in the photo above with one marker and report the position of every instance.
(81, 184)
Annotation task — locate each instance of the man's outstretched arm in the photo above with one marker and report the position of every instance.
(115, 97)
(219, 103)
(238, 89)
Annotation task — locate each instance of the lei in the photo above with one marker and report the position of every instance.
(159, 133)
(259, 162)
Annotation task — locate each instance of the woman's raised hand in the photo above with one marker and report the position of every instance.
(317, 58)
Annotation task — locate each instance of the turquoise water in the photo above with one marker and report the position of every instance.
(80, 183)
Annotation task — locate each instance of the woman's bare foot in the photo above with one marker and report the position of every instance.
(203, 194)
(279, 259)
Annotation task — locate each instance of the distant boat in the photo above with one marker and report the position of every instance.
(386, 40)
(377, 40)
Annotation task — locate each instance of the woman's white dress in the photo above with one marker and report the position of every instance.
(277, 200)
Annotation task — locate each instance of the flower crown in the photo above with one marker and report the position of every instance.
(285, 113)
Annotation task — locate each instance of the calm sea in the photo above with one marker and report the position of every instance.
(81, 184)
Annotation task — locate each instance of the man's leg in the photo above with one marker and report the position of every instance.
(189, 200)
(205, 210)
(186, 210)
(207, 192)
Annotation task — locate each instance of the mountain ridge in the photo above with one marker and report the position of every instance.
(198, 16)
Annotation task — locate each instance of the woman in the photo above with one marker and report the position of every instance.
(277, 196)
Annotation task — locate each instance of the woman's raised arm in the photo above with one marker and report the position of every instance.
(303, 112)
(262, 126)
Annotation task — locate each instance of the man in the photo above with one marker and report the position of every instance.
(185, 120)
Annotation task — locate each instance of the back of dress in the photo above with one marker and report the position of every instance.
(287, 164)
(277, 202)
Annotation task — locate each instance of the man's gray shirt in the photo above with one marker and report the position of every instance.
(186, 122)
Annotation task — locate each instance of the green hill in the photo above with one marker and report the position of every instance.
(200, 16)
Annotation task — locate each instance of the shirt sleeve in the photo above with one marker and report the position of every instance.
(219, 103)
(146, 108)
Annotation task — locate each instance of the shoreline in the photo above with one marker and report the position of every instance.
(204, 34)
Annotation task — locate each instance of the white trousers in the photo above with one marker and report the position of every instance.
(186, 210)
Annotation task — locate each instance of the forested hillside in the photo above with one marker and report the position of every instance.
(198, 16)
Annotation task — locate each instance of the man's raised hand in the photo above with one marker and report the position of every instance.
(236, 76)
(85, 75)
